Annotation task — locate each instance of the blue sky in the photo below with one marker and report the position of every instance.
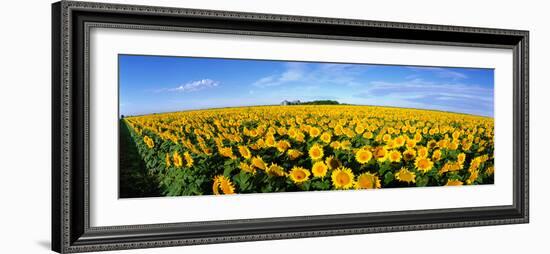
(154, 84)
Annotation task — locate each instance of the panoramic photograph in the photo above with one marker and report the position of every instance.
(193, 126)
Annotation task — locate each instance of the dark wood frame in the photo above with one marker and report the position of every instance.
(71, 22)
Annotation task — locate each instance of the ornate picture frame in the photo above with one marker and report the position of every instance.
(71, 228)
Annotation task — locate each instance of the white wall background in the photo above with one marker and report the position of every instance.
(25, 125)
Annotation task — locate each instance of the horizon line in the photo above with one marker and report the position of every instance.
(270, 105)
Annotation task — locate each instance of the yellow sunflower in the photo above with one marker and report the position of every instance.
(381, 154)
(299, 175)
(293, 154)
(291, 132)
(326, 137)
(359, 129)
(342, 178)
(453, 145)
(450, 167)
(410, 144)
(270, 141)
(436, 155)
(395, 156)
(422, 152)
(473, 176)
(316, 152)
(461, 157)
(178, 162)
(423, 164)
(474, 164)
(390, 144)
(349, 133)
(281, 131)
(338, 130)
(432, 144)
(409, 154)
(466, 146)
(345, 145)
(167, 159)
(332, 162)
(368, 135)
(260, 143)
(223, 184)
(453, 183)
(319, 169)
(207, 150)
(226, 152)
(399, 141)
(247, 168)
(404, 175)
(259, 163)
(417, 137)
(490, 170)
(188, 159)
(363, 155)
(245, 152)
(456, 135)
(441, 144)
(276, 170)
(253, 133)
(283, 145)
(386, 137)
(149, 142)
(367, 181)
(314, 132)
(300, 137)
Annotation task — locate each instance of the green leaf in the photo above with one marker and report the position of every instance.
(388, 178)
(384, 167)
(241, 180)
(322, 185)
(227, 170)
(266, 188)
(422, 181)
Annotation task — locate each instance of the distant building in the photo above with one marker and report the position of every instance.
(285, 103)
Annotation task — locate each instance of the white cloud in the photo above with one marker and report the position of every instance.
(291, 75)
(193, 86)
(345, 74)
(418, 93)
(266, 81)
(293, 72)
(429, 87)
(442, 72)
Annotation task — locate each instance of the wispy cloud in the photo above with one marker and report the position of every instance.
(192, 86)
(300, 73)
(429, 88)
(455, 97)
(440, 72)
(293, 72)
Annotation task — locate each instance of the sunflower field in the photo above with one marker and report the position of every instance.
(305, 148)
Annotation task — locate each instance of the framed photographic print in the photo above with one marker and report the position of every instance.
(181, 126)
